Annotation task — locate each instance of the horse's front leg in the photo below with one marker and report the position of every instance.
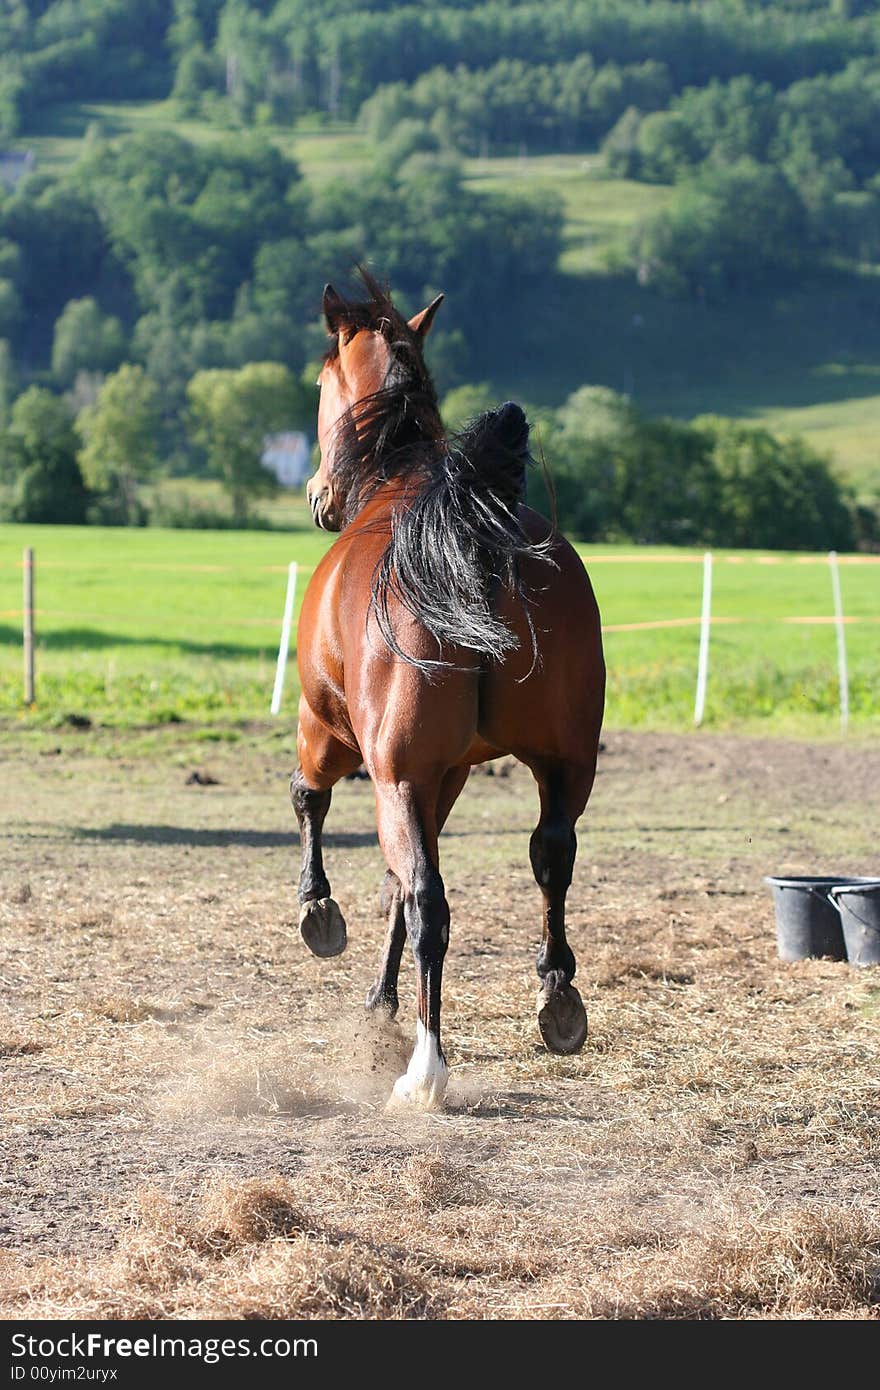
(321, 924)
(407, 818)
(323, 760)
(383, 994)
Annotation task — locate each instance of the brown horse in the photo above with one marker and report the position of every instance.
(448, 625)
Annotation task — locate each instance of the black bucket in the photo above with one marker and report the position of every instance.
(808, 922)
(859, 908)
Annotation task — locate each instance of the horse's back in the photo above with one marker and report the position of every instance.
(541, 700)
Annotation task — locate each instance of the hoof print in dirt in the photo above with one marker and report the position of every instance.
(562, 1019)
(322, 927)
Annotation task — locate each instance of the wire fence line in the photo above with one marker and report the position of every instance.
(628, 558)
(29, 614)
(659, 623)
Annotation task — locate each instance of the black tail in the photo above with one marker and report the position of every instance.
(456, 538)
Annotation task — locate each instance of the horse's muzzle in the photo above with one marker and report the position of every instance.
(323, 511)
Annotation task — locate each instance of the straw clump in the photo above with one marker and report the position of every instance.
(243, 1250)
(822, 1263)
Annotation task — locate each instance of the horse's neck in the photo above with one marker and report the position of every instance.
(391, 493)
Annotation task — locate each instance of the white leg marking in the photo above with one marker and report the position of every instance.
(423, 1084)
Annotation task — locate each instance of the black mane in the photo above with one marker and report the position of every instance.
(457, 533)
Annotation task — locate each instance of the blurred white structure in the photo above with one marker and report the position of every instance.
(14, 165)
(287, 456)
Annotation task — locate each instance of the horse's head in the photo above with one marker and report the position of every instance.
(373, 374)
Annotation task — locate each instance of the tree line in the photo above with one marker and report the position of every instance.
(614, 474)
(60, 465)
(278, 61)
(155, 262)
(158, 277)
(180, 257)
(550, 106)
(768, 182)
(768, 105)
(303, 55)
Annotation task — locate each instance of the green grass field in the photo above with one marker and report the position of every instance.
(805, 361)
(139, 628)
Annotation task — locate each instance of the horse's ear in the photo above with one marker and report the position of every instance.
(334, 308)
(421, 323)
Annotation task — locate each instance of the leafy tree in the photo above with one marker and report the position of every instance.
(10, 308)
(665, 147)
(49, 487)
(232, 413)
(194, 215)
(515, 102)
(407, 139)
(85, 340)
(621, 145)
(42, 422)
(120, 434)
(7, 382)
(60, 238)
(596, 414)
(722, 121)
(196, 73)
(466, 403)
(618, 475)
(850, 224)
(586, 447)
(728, 229)
(776, 492)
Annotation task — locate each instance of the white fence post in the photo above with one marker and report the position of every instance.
(842, 673)
(705, 621)
(28, 625)
(287, 620)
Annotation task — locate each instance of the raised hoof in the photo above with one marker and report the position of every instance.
(322, 927)
(562, 1019)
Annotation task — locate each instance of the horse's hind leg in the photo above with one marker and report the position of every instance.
(322, 761)
(564, 790)
(407, 814)
(383, 994)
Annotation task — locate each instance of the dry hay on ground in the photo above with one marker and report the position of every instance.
(250, 1250)
(193, 1107)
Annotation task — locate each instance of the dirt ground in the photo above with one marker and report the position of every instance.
(193, 1106)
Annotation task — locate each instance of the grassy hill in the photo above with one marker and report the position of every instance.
(805, 361)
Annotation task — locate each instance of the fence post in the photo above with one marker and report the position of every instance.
(705, 621)
(842, 673)
(28, 624)
(286, 622)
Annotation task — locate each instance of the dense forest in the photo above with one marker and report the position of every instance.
(153, 262)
